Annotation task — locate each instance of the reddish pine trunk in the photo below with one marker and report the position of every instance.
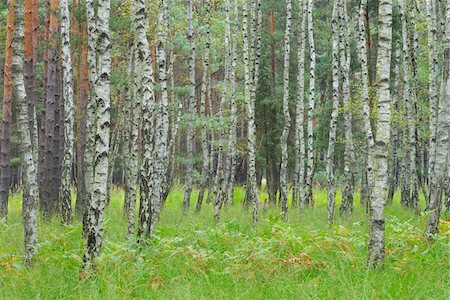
(6, 119)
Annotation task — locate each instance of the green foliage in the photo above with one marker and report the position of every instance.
(190, 257)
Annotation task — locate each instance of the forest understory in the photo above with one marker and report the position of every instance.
(193, 258)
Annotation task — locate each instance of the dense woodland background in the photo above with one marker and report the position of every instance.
(260, 110)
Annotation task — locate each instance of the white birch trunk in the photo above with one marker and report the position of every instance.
(286, 115)
(96, 207)
(145, 82)
(347, 196)
(380, 166)
(437, 187)
(299, 176)
(308, 198)
(191, 109)
(162, 130)
(432, 80)
(411, 176)
(31, 193)
(66, 176)
(233, 110)
(334, 112)
(204, 133)
(222, 189)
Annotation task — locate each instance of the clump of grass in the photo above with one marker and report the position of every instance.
(191, 257)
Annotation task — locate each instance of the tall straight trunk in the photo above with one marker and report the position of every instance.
(286, 115)
(131, 140)
(299, 170)
(251, 195)
(162, 124)
(144, 84)
(30, 49)
(395, 131)
(31, 193)
(380, 163)
(432, 80)
(83, 94)
(233, 111)
(308, 198)
(412, 200)
(204, 133)
(334, 113)
(349, 155)
(437, 188)
(5, 154)
(100, 92)
(370, 142)
(50, 186)
(191, 109)
(212, 137)
(221, 192)
(66, 177)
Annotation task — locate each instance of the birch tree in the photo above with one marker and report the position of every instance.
(204, 133)
(251, 195)
(286, 115)
(412, 197)
(221, 191)
(233, 110)
(380, 165)
(100, 91)
(334, 112)
(299, 175)
(191, 109)
(349, 155)
(308, 198)
(31, 193)
(370, 141)
(144, 67)
(130, 151)
(432, 79)
(66, 176)
(162, 124)
(437, 188)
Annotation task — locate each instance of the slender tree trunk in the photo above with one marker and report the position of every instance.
(412, 199)
(437, 187)
(50, 187)
(376, 211)
(432, 79)
(233, 110)
(251, 192)
(299, 175)
(100, 91)
(286, 115)
(395, 131)
(204, 133)
(221, 192)
(133, 106)
(191, 109)
(31, 194)
(162, 127)
(334, 113)
(66, 178)
(30, 49)
(308, 198)
(145, 82)
(5, 154)
(349, 155)
(366, 100)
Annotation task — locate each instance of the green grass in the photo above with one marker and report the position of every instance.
(191, 258)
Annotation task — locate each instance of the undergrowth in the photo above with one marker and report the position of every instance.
(192, 258)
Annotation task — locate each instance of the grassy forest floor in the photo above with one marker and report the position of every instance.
(191, 258)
